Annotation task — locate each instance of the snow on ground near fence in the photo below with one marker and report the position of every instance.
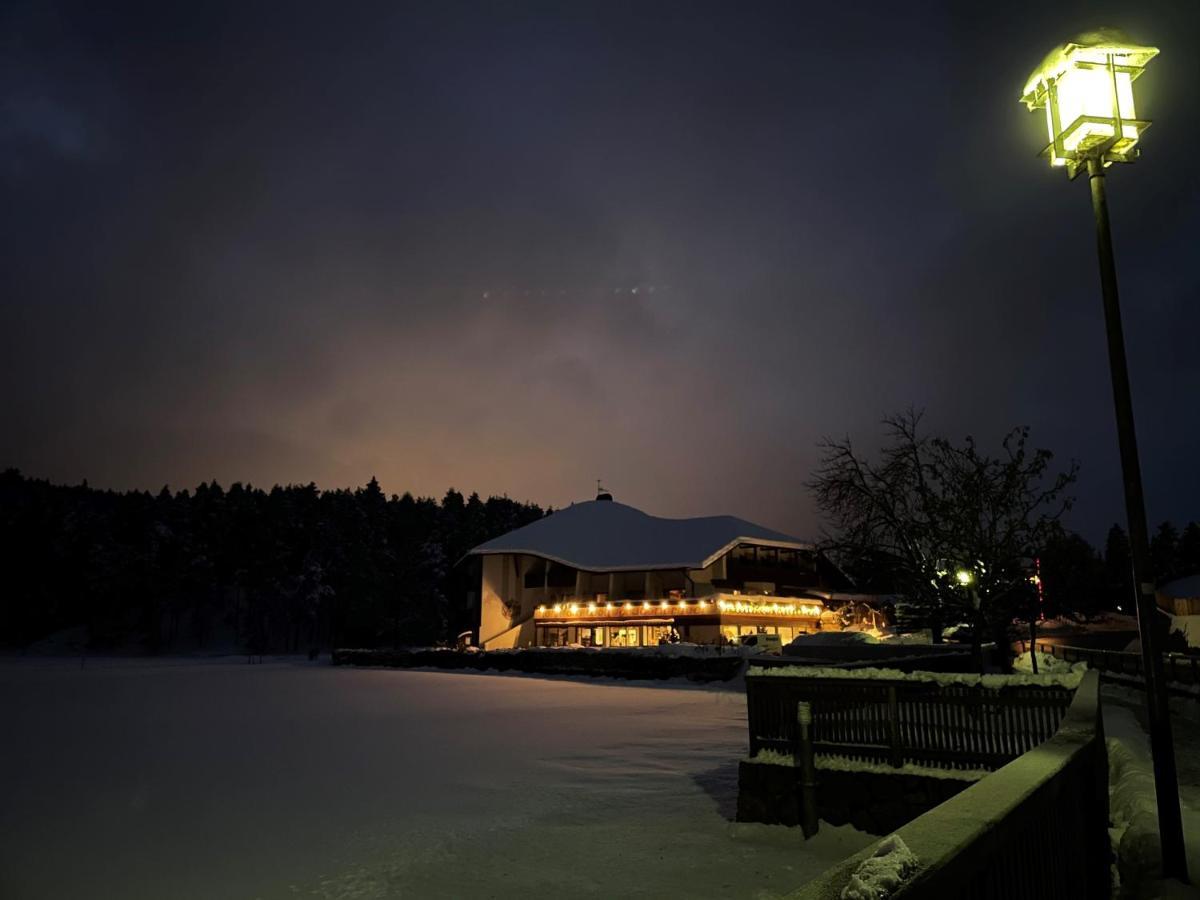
(221, 779)
(1132, 805)
(1048, 664)
(1069, 678)
(833, 763)
(883, 872)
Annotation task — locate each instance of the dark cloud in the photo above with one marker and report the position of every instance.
(323, 244)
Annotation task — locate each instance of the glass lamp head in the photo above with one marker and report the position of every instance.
(1085, 87)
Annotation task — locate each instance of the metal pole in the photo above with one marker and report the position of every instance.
(802, 759)
(1166, 783)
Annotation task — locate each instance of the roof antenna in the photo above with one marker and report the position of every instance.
(602, 492)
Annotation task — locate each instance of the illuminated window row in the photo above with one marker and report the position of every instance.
(743, 607)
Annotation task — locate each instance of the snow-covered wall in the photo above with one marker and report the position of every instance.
(1036, 828)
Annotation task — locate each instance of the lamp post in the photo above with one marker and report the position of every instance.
(1085, 87)
(966, 580)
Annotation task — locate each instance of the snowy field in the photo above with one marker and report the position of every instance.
(178, 779)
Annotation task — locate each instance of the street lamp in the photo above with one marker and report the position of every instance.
(966, 580)
(1086, 89)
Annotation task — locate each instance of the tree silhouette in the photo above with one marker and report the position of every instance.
(285, 570)
(932, 508)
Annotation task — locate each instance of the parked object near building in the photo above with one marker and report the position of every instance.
(604, 574)
(764, 643)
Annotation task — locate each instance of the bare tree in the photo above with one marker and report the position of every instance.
(927, 509)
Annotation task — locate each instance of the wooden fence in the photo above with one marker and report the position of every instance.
(1037, 828)
(908, 719)
(1180, 669)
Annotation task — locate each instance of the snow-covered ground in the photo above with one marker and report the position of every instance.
(1131, 795)
(193, 779)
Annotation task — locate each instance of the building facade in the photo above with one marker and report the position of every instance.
(604, 574)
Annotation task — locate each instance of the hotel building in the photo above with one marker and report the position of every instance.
(604, 574)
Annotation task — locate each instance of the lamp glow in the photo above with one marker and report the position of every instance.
(965, 578)
(1086, 88)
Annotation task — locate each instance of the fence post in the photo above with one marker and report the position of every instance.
(751, 697)
(803, 760)
(894, 727)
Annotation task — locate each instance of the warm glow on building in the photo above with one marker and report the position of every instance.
(600, 574)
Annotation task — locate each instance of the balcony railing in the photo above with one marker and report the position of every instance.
(728, 604)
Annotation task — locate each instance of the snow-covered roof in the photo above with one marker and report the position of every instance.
(1182, 587)
(606, 536)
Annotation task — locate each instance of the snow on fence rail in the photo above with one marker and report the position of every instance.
(1181, 669)
(948, 721)
(1037, 828)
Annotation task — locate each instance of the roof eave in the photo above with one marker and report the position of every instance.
(650, 567)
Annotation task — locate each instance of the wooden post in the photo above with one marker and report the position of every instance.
(803, 760)
(894, 727)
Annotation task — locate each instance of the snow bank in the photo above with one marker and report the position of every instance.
(1068, 679)
(834, 639)
(1102, 622)
(881, 874)
(771, 758)
(846, 764)
(910, 637)
(1132, 805)
(1047, 664)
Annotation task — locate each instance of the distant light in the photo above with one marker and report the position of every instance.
(964, 577)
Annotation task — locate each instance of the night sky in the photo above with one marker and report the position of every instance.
(515, 247)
